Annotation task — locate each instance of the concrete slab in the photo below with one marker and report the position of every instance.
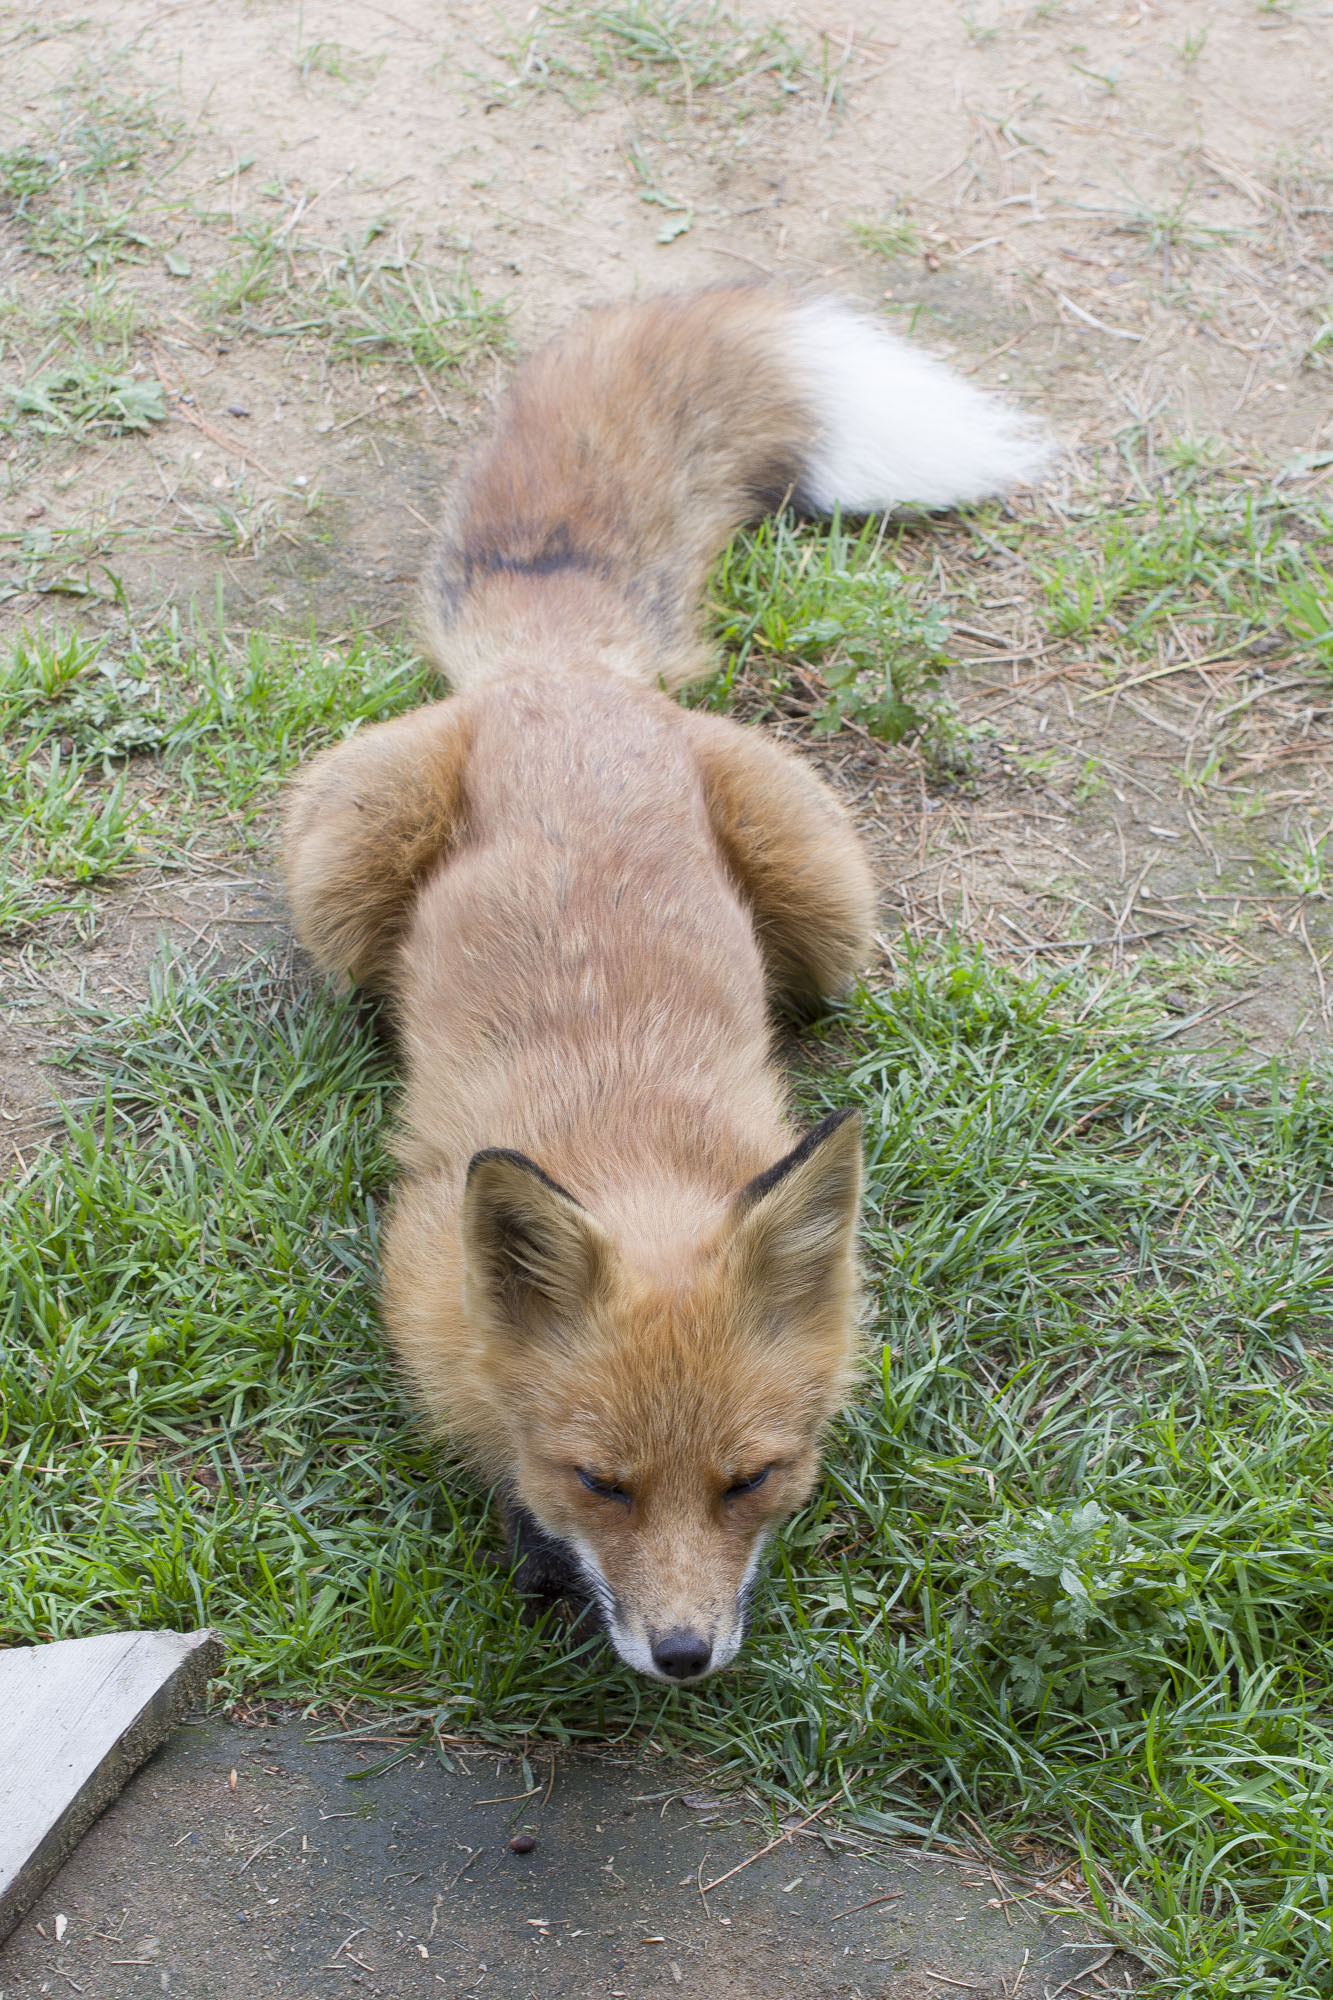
(77, 1718)
(316, 1874)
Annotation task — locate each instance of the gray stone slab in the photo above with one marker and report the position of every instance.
(77, 1718)
(316, 1875)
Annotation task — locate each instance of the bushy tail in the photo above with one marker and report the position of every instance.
(627, 452)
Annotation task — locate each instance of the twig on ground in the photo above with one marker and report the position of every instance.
(706, 1887)
(894, 1896)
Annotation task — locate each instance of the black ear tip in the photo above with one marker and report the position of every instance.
(518, 1162)
(764, 1183)
(490, 1154)
(850, 1114)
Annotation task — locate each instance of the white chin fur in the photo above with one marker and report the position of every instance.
(896, 425)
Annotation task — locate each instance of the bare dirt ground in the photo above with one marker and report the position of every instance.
(241, 1862)
(1119, 215)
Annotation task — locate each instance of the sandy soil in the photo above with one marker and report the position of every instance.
(1121, 216)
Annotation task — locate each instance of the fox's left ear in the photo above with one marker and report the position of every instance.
(794, 1226)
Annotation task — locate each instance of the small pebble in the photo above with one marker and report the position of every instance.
(522, 1843)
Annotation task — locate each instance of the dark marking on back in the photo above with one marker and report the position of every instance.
(524, 550)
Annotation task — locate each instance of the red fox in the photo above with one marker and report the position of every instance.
(614, 1276)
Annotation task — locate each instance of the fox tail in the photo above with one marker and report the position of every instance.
(626, 453)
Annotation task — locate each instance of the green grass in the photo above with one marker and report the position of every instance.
(1302, 863)
(1306, 596)
(357, 304)
(1216, 558)
(851, 623)
(77, 191)
(829, 612)
(95, 228)
(222, 723)
(681, 50)
(65, 820)
(103, 132)
(339, 64)
(26, 174)
(1070, 1575)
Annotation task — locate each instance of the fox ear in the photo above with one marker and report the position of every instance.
(533, 1256)
(795, 1225)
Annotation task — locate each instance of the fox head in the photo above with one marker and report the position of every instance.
(660, 1428)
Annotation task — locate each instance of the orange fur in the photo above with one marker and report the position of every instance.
(581, 900)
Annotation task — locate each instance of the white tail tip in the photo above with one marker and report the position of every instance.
(898, 426)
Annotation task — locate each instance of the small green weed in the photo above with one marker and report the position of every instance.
(398, 308)
(1109, 80)
(679, 216)
(76, 193)
(78, 832)
(61, 687)
(830, 602)
(891, 235)
(66, 719)
(40, 667)
(25, 175)
(93, 229)
(243, 522)
(978, 31)
(102, 133)
(82, 396)
(61, 826)
(679, 45)
(261, 265)
(1170, 227)
(105, 315)
(1077, 1606)
(1191, 459)
(61, 562)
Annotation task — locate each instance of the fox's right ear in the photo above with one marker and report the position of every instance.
(533, 1256)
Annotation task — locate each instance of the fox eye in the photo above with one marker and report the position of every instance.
(605, 1489)
(749, 1485)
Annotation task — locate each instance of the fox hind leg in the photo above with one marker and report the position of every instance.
(796, 858)
(365, 822)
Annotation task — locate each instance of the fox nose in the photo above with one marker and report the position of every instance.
(681, 1654)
